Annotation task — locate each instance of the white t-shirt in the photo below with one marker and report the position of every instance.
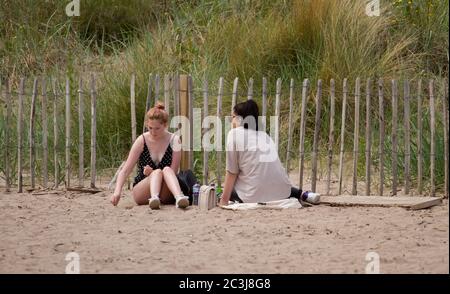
(252, 155)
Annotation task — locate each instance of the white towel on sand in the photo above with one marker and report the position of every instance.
(277, 204)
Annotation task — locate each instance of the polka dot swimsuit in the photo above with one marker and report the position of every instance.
(146, 159)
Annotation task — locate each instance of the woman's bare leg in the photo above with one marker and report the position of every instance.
(141, 192)
(172, 183)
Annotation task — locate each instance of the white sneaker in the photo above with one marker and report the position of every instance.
(182, 201)
(154, 202)
(313, 198)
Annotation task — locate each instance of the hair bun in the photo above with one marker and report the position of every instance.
(159, 105)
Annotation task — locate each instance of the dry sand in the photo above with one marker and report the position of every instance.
(37, 231)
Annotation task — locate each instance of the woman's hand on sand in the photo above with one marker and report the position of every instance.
(147, 170)
(115, 199)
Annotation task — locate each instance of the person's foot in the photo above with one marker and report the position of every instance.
(182, 201)
(311, 197)
(154, 202)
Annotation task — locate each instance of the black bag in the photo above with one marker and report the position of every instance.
(187, 180)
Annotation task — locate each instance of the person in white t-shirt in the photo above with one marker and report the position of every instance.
(254, 173)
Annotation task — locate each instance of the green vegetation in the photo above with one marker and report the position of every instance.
(297, 39)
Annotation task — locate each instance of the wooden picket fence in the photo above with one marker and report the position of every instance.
(178, 92)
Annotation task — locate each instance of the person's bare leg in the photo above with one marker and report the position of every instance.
(172, 183)
(156, 178)
(141, 192)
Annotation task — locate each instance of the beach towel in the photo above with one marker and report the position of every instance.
(277, 204)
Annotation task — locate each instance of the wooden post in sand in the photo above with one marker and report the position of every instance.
(31, 138)
(176, 98)
(368, 150)
(381, 126)
(331, 136)
(93, 131)
(235, 93)
(67, 132)
(191, 121)
(407, 135)
(432, 139)
(44, 134)
(356, 136)
(317, 125)
(302, 131)
(147, 101)
(205, 114)
(341, 154)
(219, 132)
(394, 136)
(445, 118)
(55, 132)
(80, 134)
(19, 136)
(419, 139)
(157, 82)
(167, 93)
(7, 135)
(291, 127)
(250, 89)
(133, 108)
(277, 114)
(184, 112)
(264, 104)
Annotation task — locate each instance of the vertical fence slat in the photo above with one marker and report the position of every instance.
(184, 112)
(394, 137)
(432, 139)
(147, 100)
(7, 135)
(167, 93)
(205, 114)
(55, 132)
(381, 126)
(316, 135)
(176, 106)
(445, 118)
(219, 114)
(31, 138)
(93, 131)
(305, 89)
(264, 104)
(250, 89)
(157, 82)
(356, 136)
(406, 93)
(277, 114)
(67, 132)
(80, 134)
(343, 118)
(419, 139)
(133, 108)
(191, 122)
(19, 136)
(291, 127)
(368, 137)
(331, 134)
(235, 92)
(44, 134)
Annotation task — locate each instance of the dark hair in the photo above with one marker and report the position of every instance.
(249, 111)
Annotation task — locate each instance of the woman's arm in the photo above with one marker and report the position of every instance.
(230, 178)
(133, 157)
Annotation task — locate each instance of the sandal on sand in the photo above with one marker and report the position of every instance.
(182, 201)
(154, 202)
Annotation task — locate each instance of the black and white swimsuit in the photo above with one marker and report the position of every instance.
(146, 159)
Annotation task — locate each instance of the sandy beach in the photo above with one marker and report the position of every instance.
(39, 230)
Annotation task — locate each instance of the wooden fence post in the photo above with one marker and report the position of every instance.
(331, 134)
(356, 136)
(31, 138)
(341, 154)
(316, 135)
(305, 90)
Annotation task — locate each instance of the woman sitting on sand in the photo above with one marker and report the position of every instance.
(253, 169)
(158, 153)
